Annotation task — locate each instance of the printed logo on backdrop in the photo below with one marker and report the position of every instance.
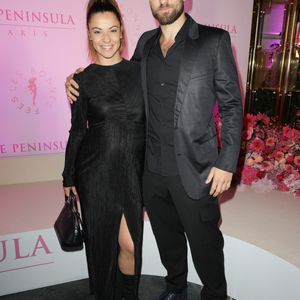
(26, 23)
(22, 253)
(32, 92)
(231, 28)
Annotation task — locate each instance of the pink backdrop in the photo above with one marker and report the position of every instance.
(44, 41)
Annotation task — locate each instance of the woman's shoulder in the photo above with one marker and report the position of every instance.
(84, 75)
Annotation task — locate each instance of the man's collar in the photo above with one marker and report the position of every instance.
(182, 33)
(189, 28)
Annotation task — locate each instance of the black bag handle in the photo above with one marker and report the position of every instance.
(74, 207)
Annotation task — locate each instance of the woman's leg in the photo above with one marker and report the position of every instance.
(126, 261)
(126, 253)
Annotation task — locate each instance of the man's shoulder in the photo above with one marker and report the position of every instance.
(214, 31)
(145, 37)
(148, 34)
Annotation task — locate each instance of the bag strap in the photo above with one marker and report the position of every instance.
(73, 201)
(73, 204)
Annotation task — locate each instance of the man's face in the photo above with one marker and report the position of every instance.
(166, 11)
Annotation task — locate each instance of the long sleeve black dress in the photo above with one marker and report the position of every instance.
(104, 160)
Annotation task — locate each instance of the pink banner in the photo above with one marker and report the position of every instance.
(44, 41)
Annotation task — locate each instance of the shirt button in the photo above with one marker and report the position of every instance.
(162, 84)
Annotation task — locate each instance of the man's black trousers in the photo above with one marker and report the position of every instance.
(176, 218)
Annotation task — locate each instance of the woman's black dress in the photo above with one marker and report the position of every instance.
(104, 160)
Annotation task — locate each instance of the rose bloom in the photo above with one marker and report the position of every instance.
(270, 142)
(267, 151)
(250, 162)
(296, 174)
(280, 177)
(290, 133)
(258, 159)
(248, 175)
(283, 187)
(287, 168)
(279, 156)
(267, 166)
(257, 145)
(249, 121)
(298, 193)
(261, 174)
(264, 118)
(297, 160)
(289, 159)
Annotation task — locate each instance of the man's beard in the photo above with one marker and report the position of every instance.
(169, 18)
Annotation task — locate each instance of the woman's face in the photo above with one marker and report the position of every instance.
(105, 34)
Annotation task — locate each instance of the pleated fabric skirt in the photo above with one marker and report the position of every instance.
(109, 171)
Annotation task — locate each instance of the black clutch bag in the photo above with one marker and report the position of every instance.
(68, 226)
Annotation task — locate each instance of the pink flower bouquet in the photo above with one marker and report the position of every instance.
(270, 152)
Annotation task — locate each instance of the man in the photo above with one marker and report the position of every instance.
(185, 68)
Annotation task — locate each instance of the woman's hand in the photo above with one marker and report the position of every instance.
(72, 87)
(68, 189)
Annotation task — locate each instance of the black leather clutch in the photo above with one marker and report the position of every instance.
(68, 226)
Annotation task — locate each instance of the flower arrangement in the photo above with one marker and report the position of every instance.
(270, 154)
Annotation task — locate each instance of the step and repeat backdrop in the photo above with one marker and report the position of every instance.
(44, 41)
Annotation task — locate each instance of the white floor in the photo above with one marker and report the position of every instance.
(262, 243)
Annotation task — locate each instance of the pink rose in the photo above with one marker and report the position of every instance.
(297, 160)
(248, 175)
(261, 174)
(289, 159)
(258, 159)
(290, 134)
(270, 142)
(257, 145)
(250, 162)
(249, 121)
(280, 177)
(267, 166)
(296, 174)
(279, 156)
(288, 168)
(264, 118)
(283, 187)
(267, 151)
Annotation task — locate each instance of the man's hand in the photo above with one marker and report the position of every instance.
(68, 189)
(72, 87)
(221, 181)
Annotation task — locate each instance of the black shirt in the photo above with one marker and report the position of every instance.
(162, 74)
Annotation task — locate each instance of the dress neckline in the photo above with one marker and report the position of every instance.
(109, 66)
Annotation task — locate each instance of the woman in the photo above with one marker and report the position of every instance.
(105, 155)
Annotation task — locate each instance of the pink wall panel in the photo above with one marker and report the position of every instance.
(44, 41)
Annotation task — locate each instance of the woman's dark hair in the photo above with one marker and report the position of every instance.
(103, 6)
